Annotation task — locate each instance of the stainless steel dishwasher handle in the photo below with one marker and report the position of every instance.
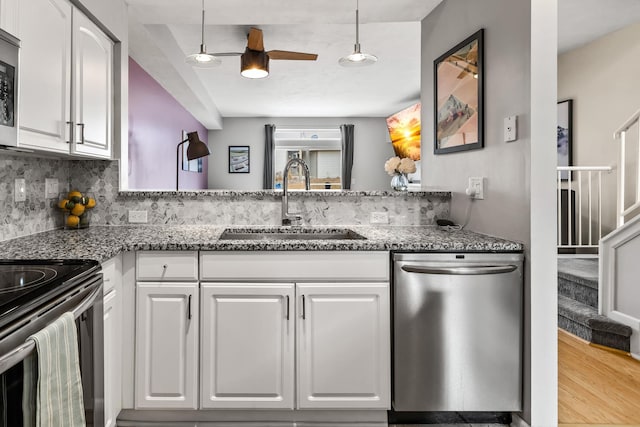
(461, 271)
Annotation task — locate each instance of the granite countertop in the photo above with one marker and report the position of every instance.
(103, 242)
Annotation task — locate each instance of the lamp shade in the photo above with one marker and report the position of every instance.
(254, 64)
(196, 148)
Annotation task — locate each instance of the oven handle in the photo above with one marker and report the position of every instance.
(19, 353)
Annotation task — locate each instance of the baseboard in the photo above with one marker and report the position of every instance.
(517, 421)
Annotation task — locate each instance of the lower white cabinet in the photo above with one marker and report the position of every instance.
(343, 345)
(247, 345)
(166, 345)
(112, 273)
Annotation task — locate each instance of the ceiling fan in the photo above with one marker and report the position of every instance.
(254, 61)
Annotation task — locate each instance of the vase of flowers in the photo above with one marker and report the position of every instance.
(398, 169)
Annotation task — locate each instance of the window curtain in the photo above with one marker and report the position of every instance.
(347, 155)
(269, 132)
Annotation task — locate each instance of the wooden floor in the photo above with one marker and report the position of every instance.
(596, 386)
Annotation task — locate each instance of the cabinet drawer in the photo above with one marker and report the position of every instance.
(167, 265)
(111, 273)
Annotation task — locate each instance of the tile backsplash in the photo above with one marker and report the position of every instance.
(100, 177)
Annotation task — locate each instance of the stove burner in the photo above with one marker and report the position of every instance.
(19, 278)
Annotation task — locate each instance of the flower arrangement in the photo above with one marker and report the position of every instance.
(396, 165)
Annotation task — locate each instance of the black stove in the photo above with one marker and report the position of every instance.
(27, 284)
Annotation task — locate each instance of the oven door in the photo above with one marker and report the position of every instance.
(85, 301)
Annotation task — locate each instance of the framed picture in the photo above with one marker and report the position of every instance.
(238, 159)
(194, 165)
(458, 96)
(565, 136)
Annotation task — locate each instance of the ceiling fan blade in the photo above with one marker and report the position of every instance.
(255, 41)
(285, 54)
(226, 54)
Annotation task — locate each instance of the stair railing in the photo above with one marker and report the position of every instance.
(576, 230)
(626, 160)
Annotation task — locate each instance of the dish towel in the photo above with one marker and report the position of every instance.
(59, 401)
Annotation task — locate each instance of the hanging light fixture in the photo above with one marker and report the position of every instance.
(254, 64)
(357, 58)
(203, 59)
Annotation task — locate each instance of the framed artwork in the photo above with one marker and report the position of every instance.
(459, 97)
(194, 165)
(565, 136)
(238, 159)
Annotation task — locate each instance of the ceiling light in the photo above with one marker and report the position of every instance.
(357, 58)
(254, 64)
(203, 59)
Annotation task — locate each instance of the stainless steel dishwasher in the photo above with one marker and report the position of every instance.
(457, 325)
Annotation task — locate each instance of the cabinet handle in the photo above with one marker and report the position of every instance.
(303, 308)
(287, 307)
(81, 126)
(70, 132)
(189, 312)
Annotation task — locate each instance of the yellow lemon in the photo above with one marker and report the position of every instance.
(62, 204)
(78, 209)
(91, 202)
(73, 221)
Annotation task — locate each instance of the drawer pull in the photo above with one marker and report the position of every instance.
(303, 308)
(189, 310)
(287, 307)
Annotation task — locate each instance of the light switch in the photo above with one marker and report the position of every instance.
(50, 188)
(510, 128)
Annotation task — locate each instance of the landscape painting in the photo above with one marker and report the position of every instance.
(459, 97)
(404, 131)
(565, 116)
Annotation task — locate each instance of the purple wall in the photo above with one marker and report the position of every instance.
(156, 122)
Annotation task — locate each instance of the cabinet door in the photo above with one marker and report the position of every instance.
(247, 345)
(343, 345)
(111, 354)
(112, 272)
(45, 75)
(92, 88)
(166, 345)
(9, 17)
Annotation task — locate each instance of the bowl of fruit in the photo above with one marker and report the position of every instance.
(77, 207)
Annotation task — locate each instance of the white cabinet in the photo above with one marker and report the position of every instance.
(112, 273)
(9, 16)
(65, 101)
(167, 325)
(343, 345)
(166, 342)
(247, 345)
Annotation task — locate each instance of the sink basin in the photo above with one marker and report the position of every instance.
(290, 234)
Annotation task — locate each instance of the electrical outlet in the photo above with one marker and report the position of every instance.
(20, 190)
(50, 188)
(476, 187)
(379, 218)
(137, 217)
(510, 128)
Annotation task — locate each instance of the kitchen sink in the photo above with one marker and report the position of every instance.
(294, 233)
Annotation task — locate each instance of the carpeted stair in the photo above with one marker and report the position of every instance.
(578, 305)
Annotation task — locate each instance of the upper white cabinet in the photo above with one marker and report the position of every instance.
(66, 75)
(9, 16)
(343, 345)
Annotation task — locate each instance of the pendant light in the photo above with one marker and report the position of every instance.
(203, 59)
(357, 58)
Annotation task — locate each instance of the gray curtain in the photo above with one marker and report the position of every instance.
(347, 155)
(269, 131)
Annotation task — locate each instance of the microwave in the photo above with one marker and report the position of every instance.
(9, 58)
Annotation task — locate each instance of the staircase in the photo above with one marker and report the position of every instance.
(578, 305)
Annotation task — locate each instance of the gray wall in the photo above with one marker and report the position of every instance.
(371, 149)
(601, 78)
(505, 210)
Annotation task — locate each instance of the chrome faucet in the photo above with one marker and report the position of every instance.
(292, 218)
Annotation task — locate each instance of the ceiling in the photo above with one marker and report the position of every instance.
(163, 32)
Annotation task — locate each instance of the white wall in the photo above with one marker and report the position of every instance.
(510, 206)
(602, 79)
(371, 149)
